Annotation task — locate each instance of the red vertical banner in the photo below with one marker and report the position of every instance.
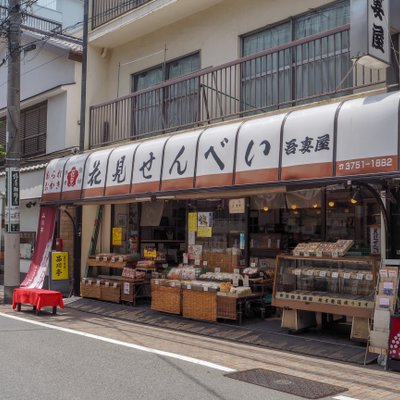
(40, 259)
(394, 345)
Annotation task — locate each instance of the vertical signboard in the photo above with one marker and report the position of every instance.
(12, 211)
(370, 31)
(378, 30)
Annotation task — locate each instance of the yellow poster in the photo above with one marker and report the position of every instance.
(192, 222)
(117, 236)
(150, 253)
(59, 265)
(204, 231)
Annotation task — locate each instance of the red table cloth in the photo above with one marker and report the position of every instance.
(38, 298)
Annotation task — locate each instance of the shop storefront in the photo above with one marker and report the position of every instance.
(283, 209)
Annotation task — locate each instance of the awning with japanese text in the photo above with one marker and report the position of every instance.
(344, 139)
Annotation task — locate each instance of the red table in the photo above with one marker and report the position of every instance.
(38, 298)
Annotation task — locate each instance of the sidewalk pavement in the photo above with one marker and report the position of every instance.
(363, 383)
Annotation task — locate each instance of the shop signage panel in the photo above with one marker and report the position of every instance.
(308, 142)
(119, 172)
(180, 161)
(73, 177)
(216, 155)
(147, 166)
(378, 30)
(53, 179)
(95, 174)
(59, 265)
(257, 158)
(367, 140)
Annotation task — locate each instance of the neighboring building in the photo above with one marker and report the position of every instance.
(50, 103)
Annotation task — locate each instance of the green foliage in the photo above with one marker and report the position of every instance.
(2, 151)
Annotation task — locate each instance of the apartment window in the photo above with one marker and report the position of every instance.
(33, 130)
(311, 69)
(168, 107)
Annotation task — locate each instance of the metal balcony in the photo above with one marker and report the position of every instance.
(34, 23)
(104, 11)
(307, 70)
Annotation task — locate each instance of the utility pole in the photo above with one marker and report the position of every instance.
(13, 154)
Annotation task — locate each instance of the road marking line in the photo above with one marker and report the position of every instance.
(126, 344)
(344, 398)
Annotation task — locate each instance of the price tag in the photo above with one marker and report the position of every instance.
(217, 270)
(296, 253)
(172, 284)
(126, 288)
(197, 262)
(112, 259)
(236, 271)
(97, 258)
(319, 253)
(205, 288)
(306, 253)
(322, 274)
(297, 271)
(335, 254)
(156, 282)
(335, 275)
(360, 276)
(105, 259)
(253, 265)
(235, 280)
(165, 266)
(346, 275)
(115, 285)
(246, 281)
(120, 259)
(205, 263)
(107, 284)
(98, 282)
(189, 287)
(310, 272)
(369, 277)
(89, 281)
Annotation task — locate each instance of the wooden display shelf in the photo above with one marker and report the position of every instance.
(324, 308)
(108, 264)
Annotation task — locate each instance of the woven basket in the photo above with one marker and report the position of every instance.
(199, 305)
(111, 293)
(226, 307)
(91, 290)
(166, 299)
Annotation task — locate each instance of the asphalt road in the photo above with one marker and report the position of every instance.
(38, 362)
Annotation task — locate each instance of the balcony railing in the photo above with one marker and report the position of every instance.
(104, 11)
(310, 69)
(34, 22)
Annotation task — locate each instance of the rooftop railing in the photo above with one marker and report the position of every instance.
(104, 11)
(307, 70)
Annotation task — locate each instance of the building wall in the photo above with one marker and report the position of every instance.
(215, 32)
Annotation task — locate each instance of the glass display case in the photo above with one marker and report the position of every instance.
(342, 286)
